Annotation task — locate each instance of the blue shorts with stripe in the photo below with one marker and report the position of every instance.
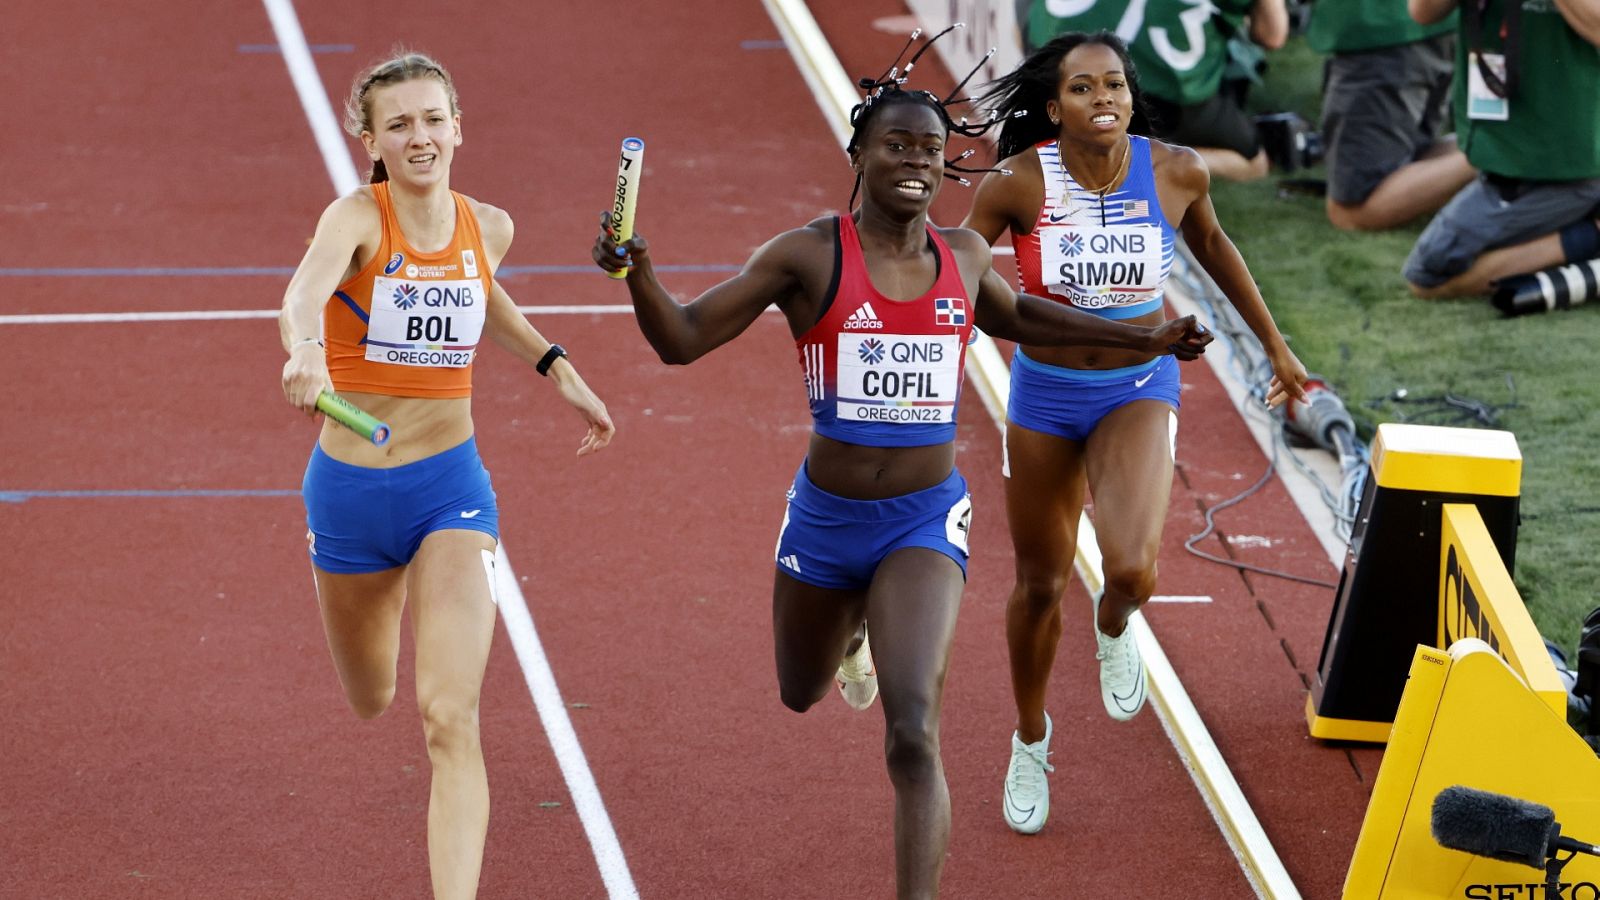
(835, 542)
(1069, 403)
(368, 520)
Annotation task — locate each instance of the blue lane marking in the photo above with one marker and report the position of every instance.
(762, 45)
(24, 496)
(315, 48)
(286, 271)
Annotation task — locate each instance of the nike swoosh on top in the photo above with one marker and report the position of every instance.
(1011, 805)
(1137, 688)
(1054, 217)
(471, 513)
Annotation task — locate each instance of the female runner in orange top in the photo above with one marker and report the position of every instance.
(399, 279)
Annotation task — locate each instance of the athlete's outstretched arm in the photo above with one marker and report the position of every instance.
(1026, 319)
(1222, 261)
(346, 224)
(511, 329)
(682, 333)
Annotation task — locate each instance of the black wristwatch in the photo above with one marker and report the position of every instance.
(550, 356)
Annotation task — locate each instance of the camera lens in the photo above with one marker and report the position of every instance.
(1561, 287)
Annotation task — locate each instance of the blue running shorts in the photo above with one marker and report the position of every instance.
(837, 543)
(1069, 403)
(368, 520)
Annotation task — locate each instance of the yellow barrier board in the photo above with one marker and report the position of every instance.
(1388, 599)
(1465, 718)
(1434, 458)
(1478, 600)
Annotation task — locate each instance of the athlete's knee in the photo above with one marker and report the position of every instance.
(451, 728)
(1040, 590)
(799, 697)
(370, 704)
(1133, 577)
(911, 745)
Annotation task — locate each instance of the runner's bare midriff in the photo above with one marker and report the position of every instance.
(858, 472)
(1096, 357)
(418, 428)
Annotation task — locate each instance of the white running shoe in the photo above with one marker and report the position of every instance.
(1122, 682)
(1027, 799)
(857, 676)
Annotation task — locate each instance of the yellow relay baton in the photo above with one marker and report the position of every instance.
(630, 168)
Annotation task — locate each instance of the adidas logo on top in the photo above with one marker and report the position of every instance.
(863, 318)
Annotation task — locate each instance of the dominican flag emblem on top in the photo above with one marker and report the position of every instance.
(950, 311)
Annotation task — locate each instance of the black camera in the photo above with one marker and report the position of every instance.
(1290, 142)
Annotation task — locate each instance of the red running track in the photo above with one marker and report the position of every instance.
(175, 726)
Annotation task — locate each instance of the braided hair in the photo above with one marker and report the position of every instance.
(1017, 99)
(888, 90)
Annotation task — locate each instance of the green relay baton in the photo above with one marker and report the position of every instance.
(350, 416)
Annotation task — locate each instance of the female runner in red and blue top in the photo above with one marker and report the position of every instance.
(881, 304)
(1093, 212)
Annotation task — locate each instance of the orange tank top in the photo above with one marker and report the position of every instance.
(408, 324)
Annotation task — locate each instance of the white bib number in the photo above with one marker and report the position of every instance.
(897, 378)
(1101, 267)
(425, 323)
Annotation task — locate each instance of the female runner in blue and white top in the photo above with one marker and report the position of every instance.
(874, 538)
(1094, 213)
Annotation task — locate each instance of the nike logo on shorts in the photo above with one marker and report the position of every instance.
(471, 513)
(1138, 383)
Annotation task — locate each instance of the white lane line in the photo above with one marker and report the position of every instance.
(313, 98)
(1188, 733)
(212, 315)
(209, 315)
(541, 680)
(513, 607)
(1179, 598)
(834, 91)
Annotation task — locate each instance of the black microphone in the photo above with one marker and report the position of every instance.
(1500, 827)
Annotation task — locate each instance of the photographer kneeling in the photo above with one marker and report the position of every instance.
(1385, 100)
(1527, 112)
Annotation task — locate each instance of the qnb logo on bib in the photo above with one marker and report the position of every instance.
(898, 378)
(1099, 268)
(436, 323)
(871, 351)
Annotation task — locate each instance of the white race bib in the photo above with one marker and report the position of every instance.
(898, 378)
(425, 323)
(1101, 267)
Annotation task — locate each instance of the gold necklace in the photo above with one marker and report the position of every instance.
(1103, 190)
